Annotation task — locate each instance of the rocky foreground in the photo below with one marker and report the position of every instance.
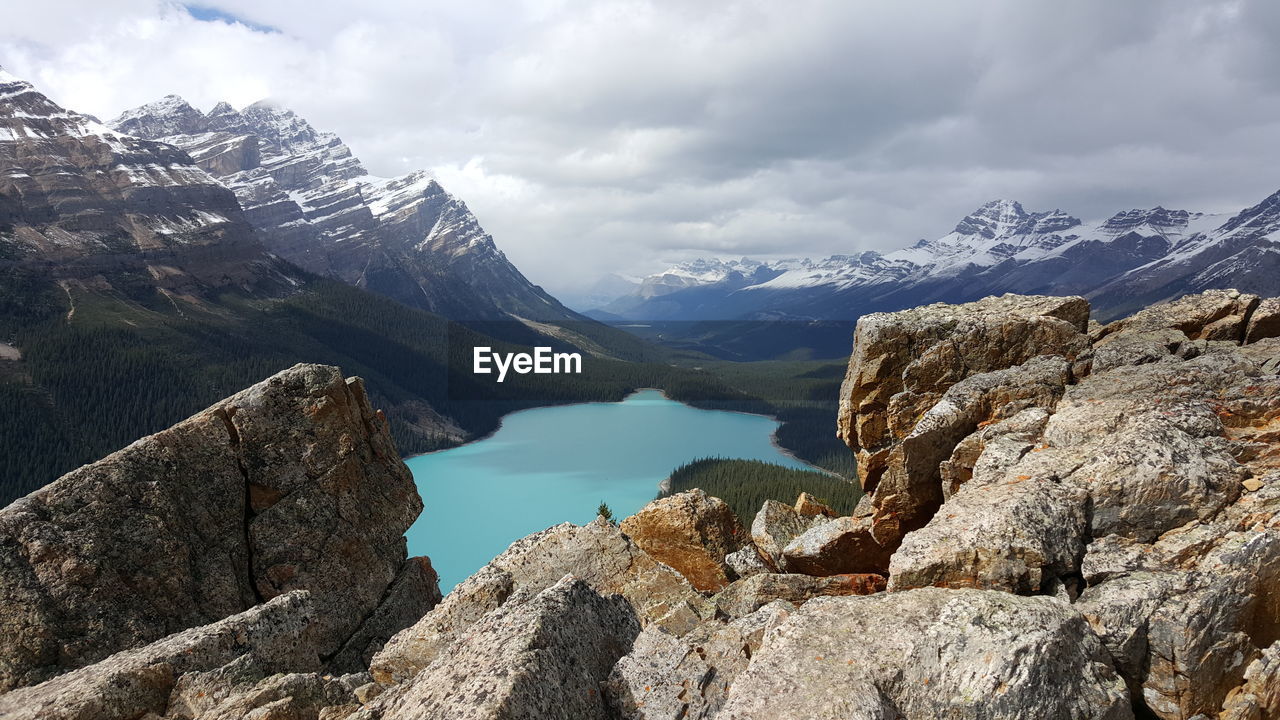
(1062, 520)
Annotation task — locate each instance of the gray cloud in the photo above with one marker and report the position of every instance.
(619, 136)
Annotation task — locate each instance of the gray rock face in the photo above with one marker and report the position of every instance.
(270, 638)
(1018, 537)
(930, 653)
(292, 484)
(746, 561)
(544, 657)
(747, 595)
(1140, 481)
(1190, 615)
(673, 678)
(598, 554)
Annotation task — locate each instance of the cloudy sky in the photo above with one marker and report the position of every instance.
(592, 137)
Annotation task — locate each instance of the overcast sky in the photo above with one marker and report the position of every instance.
(592, 137)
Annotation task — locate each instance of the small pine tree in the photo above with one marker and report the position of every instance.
(604, 512)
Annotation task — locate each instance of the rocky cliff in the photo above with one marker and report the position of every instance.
(1062, 520)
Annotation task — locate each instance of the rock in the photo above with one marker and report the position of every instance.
(1265, 321)
(415, 590)
(1021, 537)
(902, 362)
(746, 561)
(836, 547)
(1146, 443)
(419, 645)
(1211, 315)
(691, 533)
(775, 526)
(1184, 633)
(1143, 348)
(930, 653)
(268, 638)
(745, 596)
(1259, 697)
(807, 504)
(546, 657)
(292, 484)
(213, 696)
(598, 554)
(910, 488)
(1252, 484)
(995, 446)
(665, 677)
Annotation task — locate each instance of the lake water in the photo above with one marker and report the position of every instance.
(550, 465)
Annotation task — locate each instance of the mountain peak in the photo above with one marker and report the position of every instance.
(993, 218)
(1007, 218)
(170, 115)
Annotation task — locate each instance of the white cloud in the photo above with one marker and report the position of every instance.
(620, 135)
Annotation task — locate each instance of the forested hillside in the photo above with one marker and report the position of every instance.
(746, 484)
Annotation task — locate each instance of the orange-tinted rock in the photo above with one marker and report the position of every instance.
(807, 504)
(691, 532)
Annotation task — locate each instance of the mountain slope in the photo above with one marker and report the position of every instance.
(317, 206)
(80, 202)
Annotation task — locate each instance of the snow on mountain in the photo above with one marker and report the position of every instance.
(73, 191)
(1000, 247)
(318, 207)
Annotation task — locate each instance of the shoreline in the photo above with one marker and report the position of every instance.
(773, 435)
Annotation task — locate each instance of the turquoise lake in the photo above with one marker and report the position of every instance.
(551, 465)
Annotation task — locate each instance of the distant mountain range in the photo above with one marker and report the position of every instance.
(1131, 259)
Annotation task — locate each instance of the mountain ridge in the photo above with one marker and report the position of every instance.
(317, 206)
(1133, 257)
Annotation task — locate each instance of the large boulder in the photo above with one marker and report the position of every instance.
(835, 547)
(1024, 536)
(690, 532)
(270, 638)
(902, 362)
(598, 554)
(930, 653)
(294, 483)
(1265, 321)
(1185, 617)
(666, 677)
(775, 526)
(546, 656)
(920, 381)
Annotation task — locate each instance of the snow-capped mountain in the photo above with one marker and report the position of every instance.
(722, 275)
(84, 202)
(1134, 257)
(316, 206)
